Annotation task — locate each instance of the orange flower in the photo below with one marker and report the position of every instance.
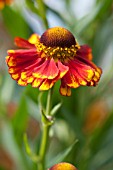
(4, 2)
(97, 115)
(63, 166)
(54, 56)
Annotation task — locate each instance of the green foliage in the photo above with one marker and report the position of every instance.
(13, 20)
(19, 121)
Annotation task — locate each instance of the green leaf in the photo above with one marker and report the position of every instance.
(98, 12)
(34, 110)
(32, 7)
(103, 157)
(84, 22)
(9, 143)
(61, 156)
(1, 168)
(33, 156)
(42, 12)
(20, 119)
(32, 93)
(106, 8)
(15, 23)
(55, 109)
(6, 94)
(99, 135)
(103, 38)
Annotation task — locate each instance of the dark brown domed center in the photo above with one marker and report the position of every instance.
(57, 37)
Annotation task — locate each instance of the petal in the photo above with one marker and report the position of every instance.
(71, 79)
(47, 70)
(64, 89)
(34, 38)
(46, 84)
(15, 76)
(25, 71)
(85, 51)
(84, 74)
(21, 82)
(22, 53)
(37, 82)
(21, 57)
(21, 65)
(20, 42)
(97, 70)
(82, 70)
(63, 69)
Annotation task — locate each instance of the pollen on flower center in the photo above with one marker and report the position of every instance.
(58, 43)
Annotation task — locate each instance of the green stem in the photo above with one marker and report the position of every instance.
(43, 147)
(48, 106)
(45, 134)
(42, 12)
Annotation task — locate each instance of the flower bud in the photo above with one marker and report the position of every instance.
(63, 166)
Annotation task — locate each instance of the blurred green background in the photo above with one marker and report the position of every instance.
(87, 115)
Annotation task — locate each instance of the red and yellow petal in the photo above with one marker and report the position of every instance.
(85, 51)
(81, 70)
(62, 69)
(23, 53)
(20, 42)
(71, 80)
(43, 84)
(21, 82)
(23, 74)
(81, 73)
(21, 64)
(46, 84)
(97, 70)
(37, 82)
(64, 89)
(15, 76)
(47, 70)
(28, 44)
(96, 77)
(21, 58)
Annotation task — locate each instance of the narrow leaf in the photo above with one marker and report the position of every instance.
(61, 156)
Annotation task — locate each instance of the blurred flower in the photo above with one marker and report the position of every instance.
(53, 56)
(97, 114)
(33, 128)
(4, 2)
(63, 166)
(11, 109)
(6, 161)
